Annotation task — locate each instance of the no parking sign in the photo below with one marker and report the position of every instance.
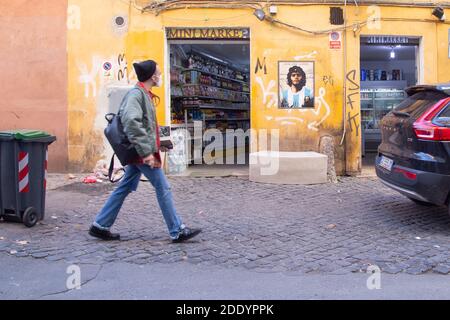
(335, 40)
(107, 66)
(107, 73)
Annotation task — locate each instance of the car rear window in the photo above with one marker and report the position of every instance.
(445, 113)
(418, 103)
(443, 118)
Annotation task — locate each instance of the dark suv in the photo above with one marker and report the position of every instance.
(414, 156)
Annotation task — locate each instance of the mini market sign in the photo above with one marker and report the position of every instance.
(387, 40)
(208, 33)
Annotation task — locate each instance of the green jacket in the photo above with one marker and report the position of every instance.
(138, 116)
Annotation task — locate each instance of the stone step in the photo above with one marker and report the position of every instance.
(280, 167)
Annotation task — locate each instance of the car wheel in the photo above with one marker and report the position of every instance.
(422, 203)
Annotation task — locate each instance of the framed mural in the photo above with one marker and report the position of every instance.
(296, 84)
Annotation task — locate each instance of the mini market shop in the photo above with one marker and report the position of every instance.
(388, 65)
(209, 89)
(259, 49)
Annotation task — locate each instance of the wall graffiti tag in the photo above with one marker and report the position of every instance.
(268, 92)
(92, 77)
(312, 118)
(89, 77)
(123, 67)
(322, 104)
(261, 66)
(352, 91)
(310, 55)
(353, 121)
(328, 80)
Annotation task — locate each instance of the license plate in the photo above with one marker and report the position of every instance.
(386, 163)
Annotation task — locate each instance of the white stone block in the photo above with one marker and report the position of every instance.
(288, 167)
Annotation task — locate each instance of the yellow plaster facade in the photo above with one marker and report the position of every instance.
(93, 40)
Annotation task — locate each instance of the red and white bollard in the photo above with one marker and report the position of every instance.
(24, 169)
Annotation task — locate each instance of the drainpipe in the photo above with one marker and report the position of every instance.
(344, 131)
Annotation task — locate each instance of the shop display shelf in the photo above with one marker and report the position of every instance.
(212, 74)
(390, 99)
(204, 106)
(205, 85)
(228, 119)
(210, 98)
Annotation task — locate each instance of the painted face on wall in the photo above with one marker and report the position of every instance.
(296, 78)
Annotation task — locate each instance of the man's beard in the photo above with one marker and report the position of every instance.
(298, 86)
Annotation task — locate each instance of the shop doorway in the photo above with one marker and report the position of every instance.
(210, 98)
(388, 65)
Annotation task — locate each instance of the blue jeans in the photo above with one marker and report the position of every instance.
(106, 217)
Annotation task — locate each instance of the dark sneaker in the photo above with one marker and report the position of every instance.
(103, 234)
(186, 234)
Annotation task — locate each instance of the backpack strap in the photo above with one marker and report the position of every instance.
(111, 169)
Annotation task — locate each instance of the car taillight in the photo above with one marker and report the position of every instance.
(425, 129)
(432, 132)
(407, 174)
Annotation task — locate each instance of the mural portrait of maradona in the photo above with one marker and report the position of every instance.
(296, 85)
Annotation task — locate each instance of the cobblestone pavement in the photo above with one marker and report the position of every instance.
(334, 228)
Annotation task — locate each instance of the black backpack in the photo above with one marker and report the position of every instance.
(122, 147)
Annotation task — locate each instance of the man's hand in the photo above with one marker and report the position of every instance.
(152, 161)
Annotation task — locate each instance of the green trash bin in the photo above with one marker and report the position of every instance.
(23, 173)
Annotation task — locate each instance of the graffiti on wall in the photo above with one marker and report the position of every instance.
(352, 92)
(261, 66)
(269, 92)
(328, 80)
(311, 55)
(312, 118)
(96, 75)
(122, 66)
(88, 77)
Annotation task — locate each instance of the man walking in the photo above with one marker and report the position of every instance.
(138, 115)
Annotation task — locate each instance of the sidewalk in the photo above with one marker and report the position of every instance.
(322, 229)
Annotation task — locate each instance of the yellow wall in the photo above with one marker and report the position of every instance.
(443, 60)
(92, 41)
(96, 42)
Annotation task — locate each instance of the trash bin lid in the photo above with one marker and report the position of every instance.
(5, 136)
(27, 135)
